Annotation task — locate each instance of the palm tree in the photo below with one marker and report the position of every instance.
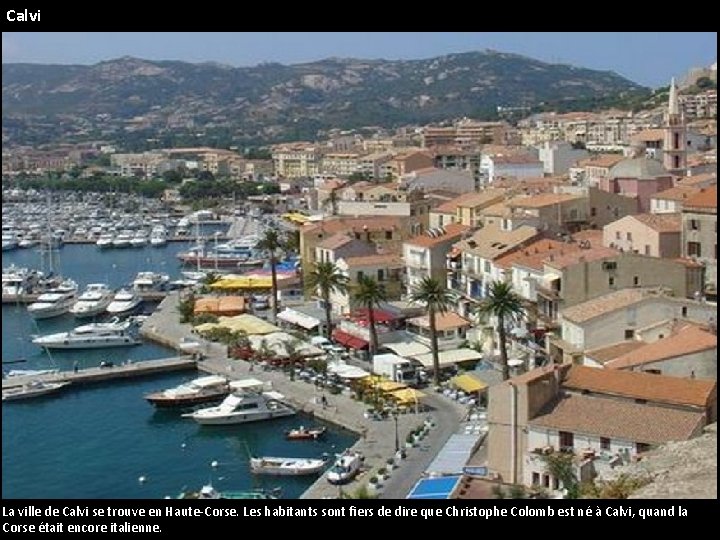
(505, 305)
(271, 242)
(369, 293)
(326, 277)
(436, 299)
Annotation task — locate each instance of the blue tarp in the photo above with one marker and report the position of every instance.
(434, 488)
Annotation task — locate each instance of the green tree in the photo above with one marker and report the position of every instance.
(436, 299)
(325, 278)
(186, 308)
(271, 243)
(562, 466)
(369, 293)
(506, 306)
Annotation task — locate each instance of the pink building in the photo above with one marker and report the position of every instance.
(638, 178)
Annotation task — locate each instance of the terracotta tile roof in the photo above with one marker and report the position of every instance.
(586, 255)
(602, 160)
(590, 309)
(471, 200)
(389, 260)
(538, 373)
(516, 159)
(707, 198)
(688, 340)
(637, 385)
(594, 236)
(452, 233)
(491, 242)
(377, 223)
(544, 199)
(611, 352)
(697, 179)
(648, 135)
(500, 209)
(662, 223)
(677, 193)
(614, 419)
(443, 321)
(533, 255)
(335, 241)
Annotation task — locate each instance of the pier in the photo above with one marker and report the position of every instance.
(101, 374)
(377, 437)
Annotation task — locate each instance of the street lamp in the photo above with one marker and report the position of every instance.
(397, 434)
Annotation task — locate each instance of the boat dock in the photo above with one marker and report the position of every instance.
(377, 438)
(101, 374)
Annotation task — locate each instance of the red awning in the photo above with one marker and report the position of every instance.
(381, 316)
(348, 340)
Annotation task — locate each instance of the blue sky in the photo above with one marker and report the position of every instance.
(649, 58)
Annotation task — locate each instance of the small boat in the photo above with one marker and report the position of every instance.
(302, 433)
(281, 466)
(93, 301)
(54, 302)
(240, 408)
(124, 301)
(345, 468)
(200, 390)
(29, 372)
(209, 492)
(32, 389)
(115, 333)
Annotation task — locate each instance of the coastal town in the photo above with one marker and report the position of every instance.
(517, 308)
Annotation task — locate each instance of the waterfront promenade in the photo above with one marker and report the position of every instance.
(377, 437)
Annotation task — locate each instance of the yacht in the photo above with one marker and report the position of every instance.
(200, 390)
(9, 241)
(150, 282)
(283, 466)
(124, 301)
(54, 302)
(158, 236)
(33, 389)
(15, 281)
(93, 301)
(122, 240)
(92, 336)
(105, 241)
(139, 240)
(240, 408)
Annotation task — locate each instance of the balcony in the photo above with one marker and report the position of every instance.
(551, 293)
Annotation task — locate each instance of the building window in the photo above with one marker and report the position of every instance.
(636, 281)
(556, 483)
(629, 334)
(593, 212)
(641, 447)
(567, 440)
(381, 275)
(676, 142)
(604, 443)
(611, 281)
(647, 249)
(693, 249)
(654, 371)
(546, 480)
(535, 478)
(360, 275)
(617, 235)
(694, 224)
(388, 235)
(628, 236)
(684, 311)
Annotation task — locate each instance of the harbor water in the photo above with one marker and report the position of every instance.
(105, 441)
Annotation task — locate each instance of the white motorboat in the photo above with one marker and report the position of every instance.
(105, 241)
(32, 389)
(158, 236)
(346, 467)
(122, 240)
(240, 408)
(115, 333)
(93, 301)
(54, 302)
(139, 240)
(286, 466)
(150, 282)
(15, 281)
(125, 301)
(200, 390)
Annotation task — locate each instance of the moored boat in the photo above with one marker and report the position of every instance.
(32, 389)
(346, 467)
(93, 301)
(302, 433)
(209, 492)
(54, 302)
(282, 466)
(124, 301)
(115, 333)
(243, 407)
(200, 390)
